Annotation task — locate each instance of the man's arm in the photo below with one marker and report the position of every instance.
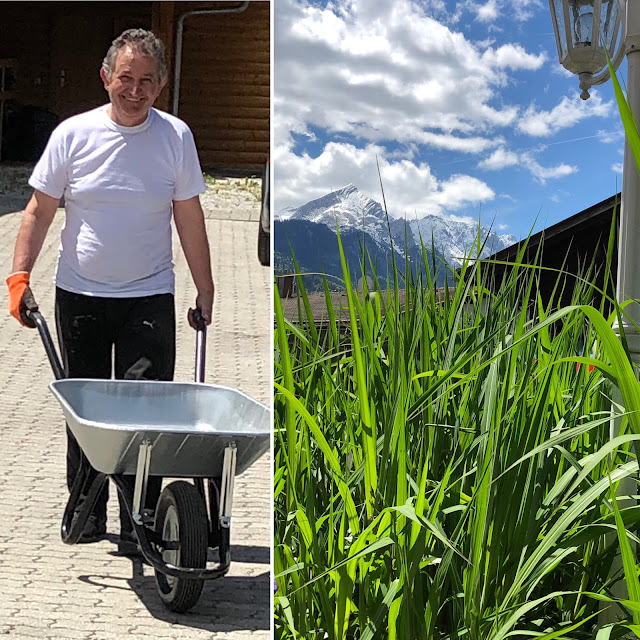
(37, 218)
(36, 221)
(189, 219)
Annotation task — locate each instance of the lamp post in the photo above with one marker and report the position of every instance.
(585, 30)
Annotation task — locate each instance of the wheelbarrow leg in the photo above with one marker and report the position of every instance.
(142, 479)
(73, 520)
(226, 501)
(136, 511)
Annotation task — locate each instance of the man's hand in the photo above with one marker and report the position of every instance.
(21, 298)
(204, 302)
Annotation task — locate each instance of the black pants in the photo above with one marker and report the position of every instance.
(120, 338)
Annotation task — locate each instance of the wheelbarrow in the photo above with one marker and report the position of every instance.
(203, 432)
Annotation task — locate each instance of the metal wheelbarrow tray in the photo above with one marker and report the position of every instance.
(188, 425)
(140, 428)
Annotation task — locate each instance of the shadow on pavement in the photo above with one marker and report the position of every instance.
(231, 603)
(12, 205)
(246, 553)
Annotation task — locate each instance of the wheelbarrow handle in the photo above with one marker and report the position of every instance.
(201, 344)
(33, 314)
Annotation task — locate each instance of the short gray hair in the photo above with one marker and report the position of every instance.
(140, 40)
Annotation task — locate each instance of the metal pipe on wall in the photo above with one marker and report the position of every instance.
(179, 37)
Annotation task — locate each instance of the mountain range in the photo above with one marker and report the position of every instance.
(310, 231)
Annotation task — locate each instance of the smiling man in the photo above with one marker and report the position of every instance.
(133, 82)
(124, 170)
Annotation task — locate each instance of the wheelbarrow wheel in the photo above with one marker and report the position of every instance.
(181, 517)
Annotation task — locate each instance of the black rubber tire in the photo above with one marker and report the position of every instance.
(264, 247)
(181, 516)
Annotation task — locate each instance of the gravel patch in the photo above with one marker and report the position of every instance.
(13, 180)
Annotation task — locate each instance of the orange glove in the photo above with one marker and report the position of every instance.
(19, 293)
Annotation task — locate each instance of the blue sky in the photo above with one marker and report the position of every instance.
(462, 102)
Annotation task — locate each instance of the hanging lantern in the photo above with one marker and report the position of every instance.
(586, 31)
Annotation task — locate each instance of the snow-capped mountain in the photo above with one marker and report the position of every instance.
(458, 239)
(351, 209)
(348, 208)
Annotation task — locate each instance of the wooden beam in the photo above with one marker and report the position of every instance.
(163, 25)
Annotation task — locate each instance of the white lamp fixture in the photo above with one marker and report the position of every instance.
(586, 31)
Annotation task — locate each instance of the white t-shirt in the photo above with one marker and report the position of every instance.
(119, 184)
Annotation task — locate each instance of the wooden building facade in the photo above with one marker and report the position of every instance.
(51, 53)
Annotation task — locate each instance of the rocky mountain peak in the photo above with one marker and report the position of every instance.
(349, 208)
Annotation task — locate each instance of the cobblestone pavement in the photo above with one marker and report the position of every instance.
(50, 590)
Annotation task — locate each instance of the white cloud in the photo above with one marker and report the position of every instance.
(542, 174)
(513, 56)
(410, 189)
(488, 11)
(499, 159)
(459, 191)
(609, 137)
(454, 143)
(502, 158)
(566, 113)
(559, 70)
(389, 71)
(617, 167)
(526, 9)
(491, 10)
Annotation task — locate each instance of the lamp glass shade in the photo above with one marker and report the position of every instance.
(609, 23)
(582, 23)
(586, 30)
(557, 15)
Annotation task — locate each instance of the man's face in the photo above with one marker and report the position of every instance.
(134, 85)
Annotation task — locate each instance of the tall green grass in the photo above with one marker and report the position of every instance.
(443, 466)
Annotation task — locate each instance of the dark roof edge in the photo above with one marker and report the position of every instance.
(559, 227)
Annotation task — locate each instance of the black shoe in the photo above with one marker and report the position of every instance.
(94, 529)
(128, 544)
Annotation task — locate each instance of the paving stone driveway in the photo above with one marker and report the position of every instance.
(50, 590)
